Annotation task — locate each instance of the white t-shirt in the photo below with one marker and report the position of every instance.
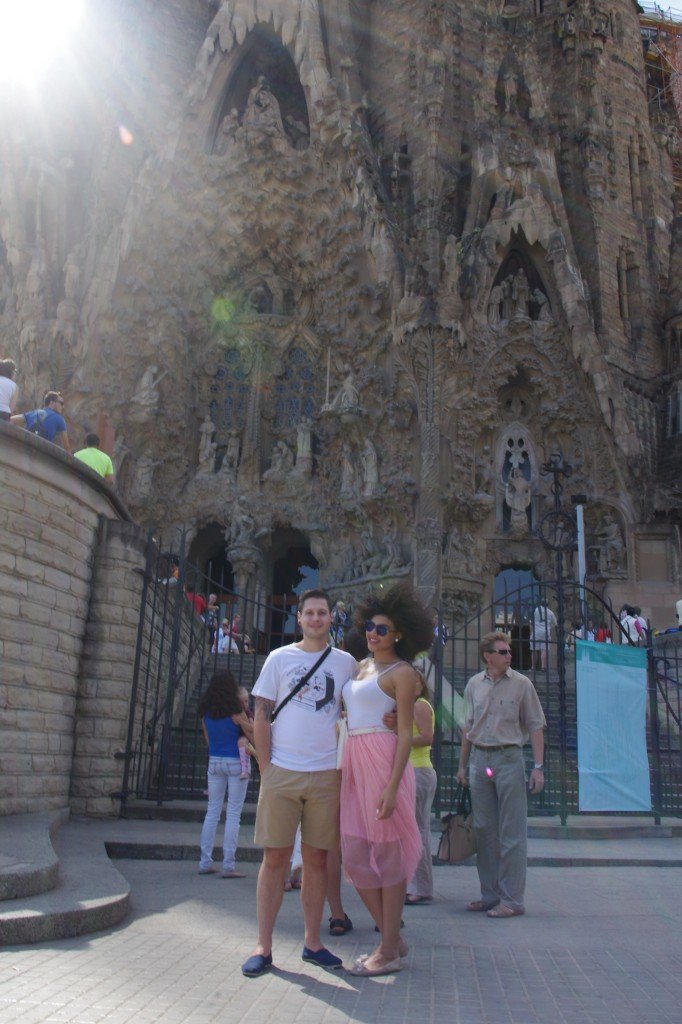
(7, 389)
(304, 732)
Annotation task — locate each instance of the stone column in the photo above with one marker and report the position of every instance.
(104, 686)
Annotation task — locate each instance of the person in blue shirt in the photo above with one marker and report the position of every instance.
(223, 721)
(48, 422)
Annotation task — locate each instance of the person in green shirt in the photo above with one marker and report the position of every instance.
(96, 459)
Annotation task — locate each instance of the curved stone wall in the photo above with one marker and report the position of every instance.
(52, 509)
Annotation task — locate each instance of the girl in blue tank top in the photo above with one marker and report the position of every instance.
(223, 721)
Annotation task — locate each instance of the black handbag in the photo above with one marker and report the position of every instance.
(457, 841)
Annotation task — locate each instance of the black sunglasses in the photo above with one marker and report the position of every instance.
(505, 651)
(379, 628)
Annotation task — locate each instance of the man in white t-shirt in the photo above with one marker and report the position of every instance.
(299, 779)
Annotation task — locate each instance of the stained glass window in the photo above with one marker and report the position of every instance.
(229, 393)
(294, 390)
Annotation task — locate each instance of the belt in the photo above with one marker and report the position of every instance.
(370, 728)
(502, 746)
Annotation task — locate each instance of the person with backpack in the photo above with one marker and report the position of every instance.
(48, 422)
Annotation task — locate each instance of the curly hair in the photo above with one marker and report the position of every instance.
(411, 619)
(220, 698)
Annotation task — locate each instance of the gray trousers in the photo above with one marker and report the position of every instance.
(422, 882)
(500, 824)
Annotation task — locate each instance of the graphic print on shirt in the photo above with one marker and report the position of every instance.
(317, 694)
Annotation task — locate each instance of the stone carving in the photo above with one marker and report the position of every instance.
(347, 398)
(207, 446)
(143, 477)
(242, 529)
(566, 28)
(518, 495)
(544, 313)
(230, 461)
(226, 133)
(608, 549)
(348, 479)
(460, 554)
(485, 477)
(370, 467)
(282, 462)
(145, 400)
(262, 114)
(304, 448)
(520, 294)
(392, 560)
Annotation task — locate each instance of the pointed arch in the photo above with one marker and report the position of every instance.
(262, 60)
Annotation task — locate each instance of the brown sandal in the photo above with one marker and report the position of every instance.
(479, 907)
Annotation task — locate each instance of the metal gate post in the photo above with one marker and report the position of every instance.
(172, 670)
(655, 726)
(136, 666)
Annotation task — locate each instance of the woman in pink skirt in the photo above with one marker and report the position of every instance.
(380, 841)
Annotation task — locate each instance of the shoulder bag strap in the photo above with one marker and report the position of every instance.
(301, 683)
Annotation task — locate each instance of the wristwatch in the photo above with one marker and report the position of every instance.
(538, 767)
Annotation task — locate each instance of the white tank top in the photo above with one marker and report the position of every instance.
(366, 703)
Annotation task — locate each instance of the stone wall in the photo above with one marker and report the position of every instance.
(50, 509)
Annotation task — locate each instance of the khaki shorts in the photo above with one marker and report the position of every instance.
(287, 798)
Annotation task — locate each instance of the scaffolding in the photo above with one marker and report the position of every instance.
(662, 44)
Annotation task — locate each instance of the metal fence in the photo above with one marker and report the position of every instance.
(175, 657)
(547, 656)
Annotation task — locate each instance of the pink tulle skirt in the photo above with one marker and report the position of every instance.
(376, 853)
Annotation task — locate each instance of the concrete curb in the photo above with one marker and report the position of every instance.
(28, 862)
(91, 894)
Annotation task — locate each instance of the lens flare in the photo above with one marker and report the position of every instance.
(32, 35)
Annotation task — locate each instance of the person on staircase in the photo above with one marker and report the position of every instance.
(223, 721)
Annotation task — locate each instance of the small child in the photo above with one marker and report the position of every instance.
(245, 748)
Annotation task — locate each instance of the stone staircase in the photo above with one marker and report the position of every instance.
(56, 880)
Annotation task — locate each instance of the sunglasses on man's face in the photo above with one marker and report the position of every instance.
(503, 652)
(379, 628)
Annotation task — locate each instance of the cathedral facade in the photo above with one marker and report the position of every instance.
(337, 280)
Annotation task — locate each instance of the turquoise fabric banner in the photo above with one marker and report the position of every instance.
(613, 769)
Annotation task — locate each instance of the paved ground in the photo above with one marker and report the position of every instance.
(597, 946)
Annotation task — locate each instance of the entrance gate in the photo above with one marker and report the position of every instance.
(166, 754)
(550, 664)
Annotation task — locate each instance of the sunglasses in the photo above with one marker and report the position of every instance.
(379, 628)
(505, 651)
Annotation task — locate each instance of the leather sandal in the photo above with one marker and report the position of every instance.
(340, 925)
(479, 907)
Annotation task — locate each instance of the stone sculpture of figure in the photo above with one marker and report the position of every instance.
(226, 132)
(542, 302)
(518, 496)
(507, 301)
(485, 485)
(495, 305)
(242, 529)
(347, 473)
(231, 456)
(392, 558)
(262, 110)
(282, 462)
(520, 293)
(145, 401)
(202, 69)
(611, 544)
(371, 556)
(370, 467)
(510, 84)
(347, 399)
(304, 450)
(144, 475)
(207, 445)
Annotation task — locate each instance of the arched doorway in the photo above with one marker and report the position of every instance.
(207, 554)
(515, 594)
(294, 570)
